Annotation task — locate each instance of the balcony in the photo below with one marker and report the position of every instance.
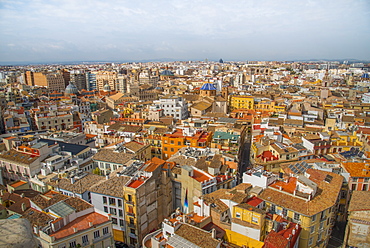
(131, 214)
(130, 202)
(105, 236)
(132, 235)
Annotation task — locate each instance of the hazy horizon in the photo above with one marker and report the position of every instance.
(38, 31)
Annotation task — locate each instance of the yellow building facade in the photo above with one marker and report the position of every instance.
(241, 102)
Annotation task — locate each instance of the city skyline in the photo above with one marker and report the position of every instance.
(45, 31)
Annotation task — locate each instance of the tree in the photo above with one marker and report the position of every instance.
(97, 171)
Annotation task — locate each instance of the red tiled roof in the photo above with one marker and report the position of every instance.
(200, 176)
(289, 186)
(274, 240)
(254, 201)
(17, 184)
(136, 183)
(81, 224)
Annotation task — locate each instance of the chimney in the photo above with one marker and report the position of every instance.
(213, 233)
(23, 207)
(72, 180)
(75, 229)
(22, 195)
(90, 224)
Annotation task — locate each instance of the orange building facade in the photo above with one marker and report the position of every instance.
(171, 143)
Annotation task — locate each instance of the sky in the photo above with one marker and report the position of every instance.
(234, 30)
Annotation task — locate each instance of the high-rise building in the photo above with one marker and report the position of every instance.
(147, 200)
(79, 80)
(53, 81)
(91, 81)
(106, 78)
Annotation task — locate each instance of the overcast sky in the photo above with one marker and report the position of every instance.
(119, 30)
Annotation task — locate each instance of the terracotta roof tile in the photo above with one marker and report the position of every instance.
(360, 201)
(326, 196)
(197, 236)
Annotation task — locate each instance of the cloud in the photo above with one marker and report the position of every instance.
(183, 28)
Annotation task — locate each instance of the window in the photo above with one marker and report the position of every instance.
(113, 211)
(314, 218)
(114, 221)
(105, 230)
(172, 142)
(96, 234)
(129, 198)
(72, 244)
(272, 208)
(354, 179)
(312, 229)
(104, 199)
(285, 212)
(119, 203)
(179, 143)
(85, 239)
(112, 201)
(237, 215)
(121, 222)
(165, 149)
(364, 187)
(172, 149)
(322, 225)
(354, 186)
(310, 241)
(106, 209)
(120, 213)
(254, 219)
(132, 230)
(296, 216)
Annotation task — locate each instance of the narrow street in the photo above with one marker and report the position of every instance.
(244, 162)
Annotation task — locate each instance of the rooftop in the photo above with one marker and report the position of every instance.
(108, 155)
(113, 186)
(195, 236)
(80, 224)
(79, 186)
(360, 201)
(326, 196)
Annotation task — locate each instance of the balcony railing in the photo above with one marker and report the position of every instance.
(131, 214)
(98, 239)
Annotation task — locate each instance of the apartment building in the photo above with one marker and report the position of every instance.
(147, 200)
(24, 162)
(297, 199)
(108, 198)
(61, 221)
(358, 227)
(174, 106)
(104, 78)
(358, 175)
(57, 121)
(172, 142)
(241, 102)
(53, 81)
